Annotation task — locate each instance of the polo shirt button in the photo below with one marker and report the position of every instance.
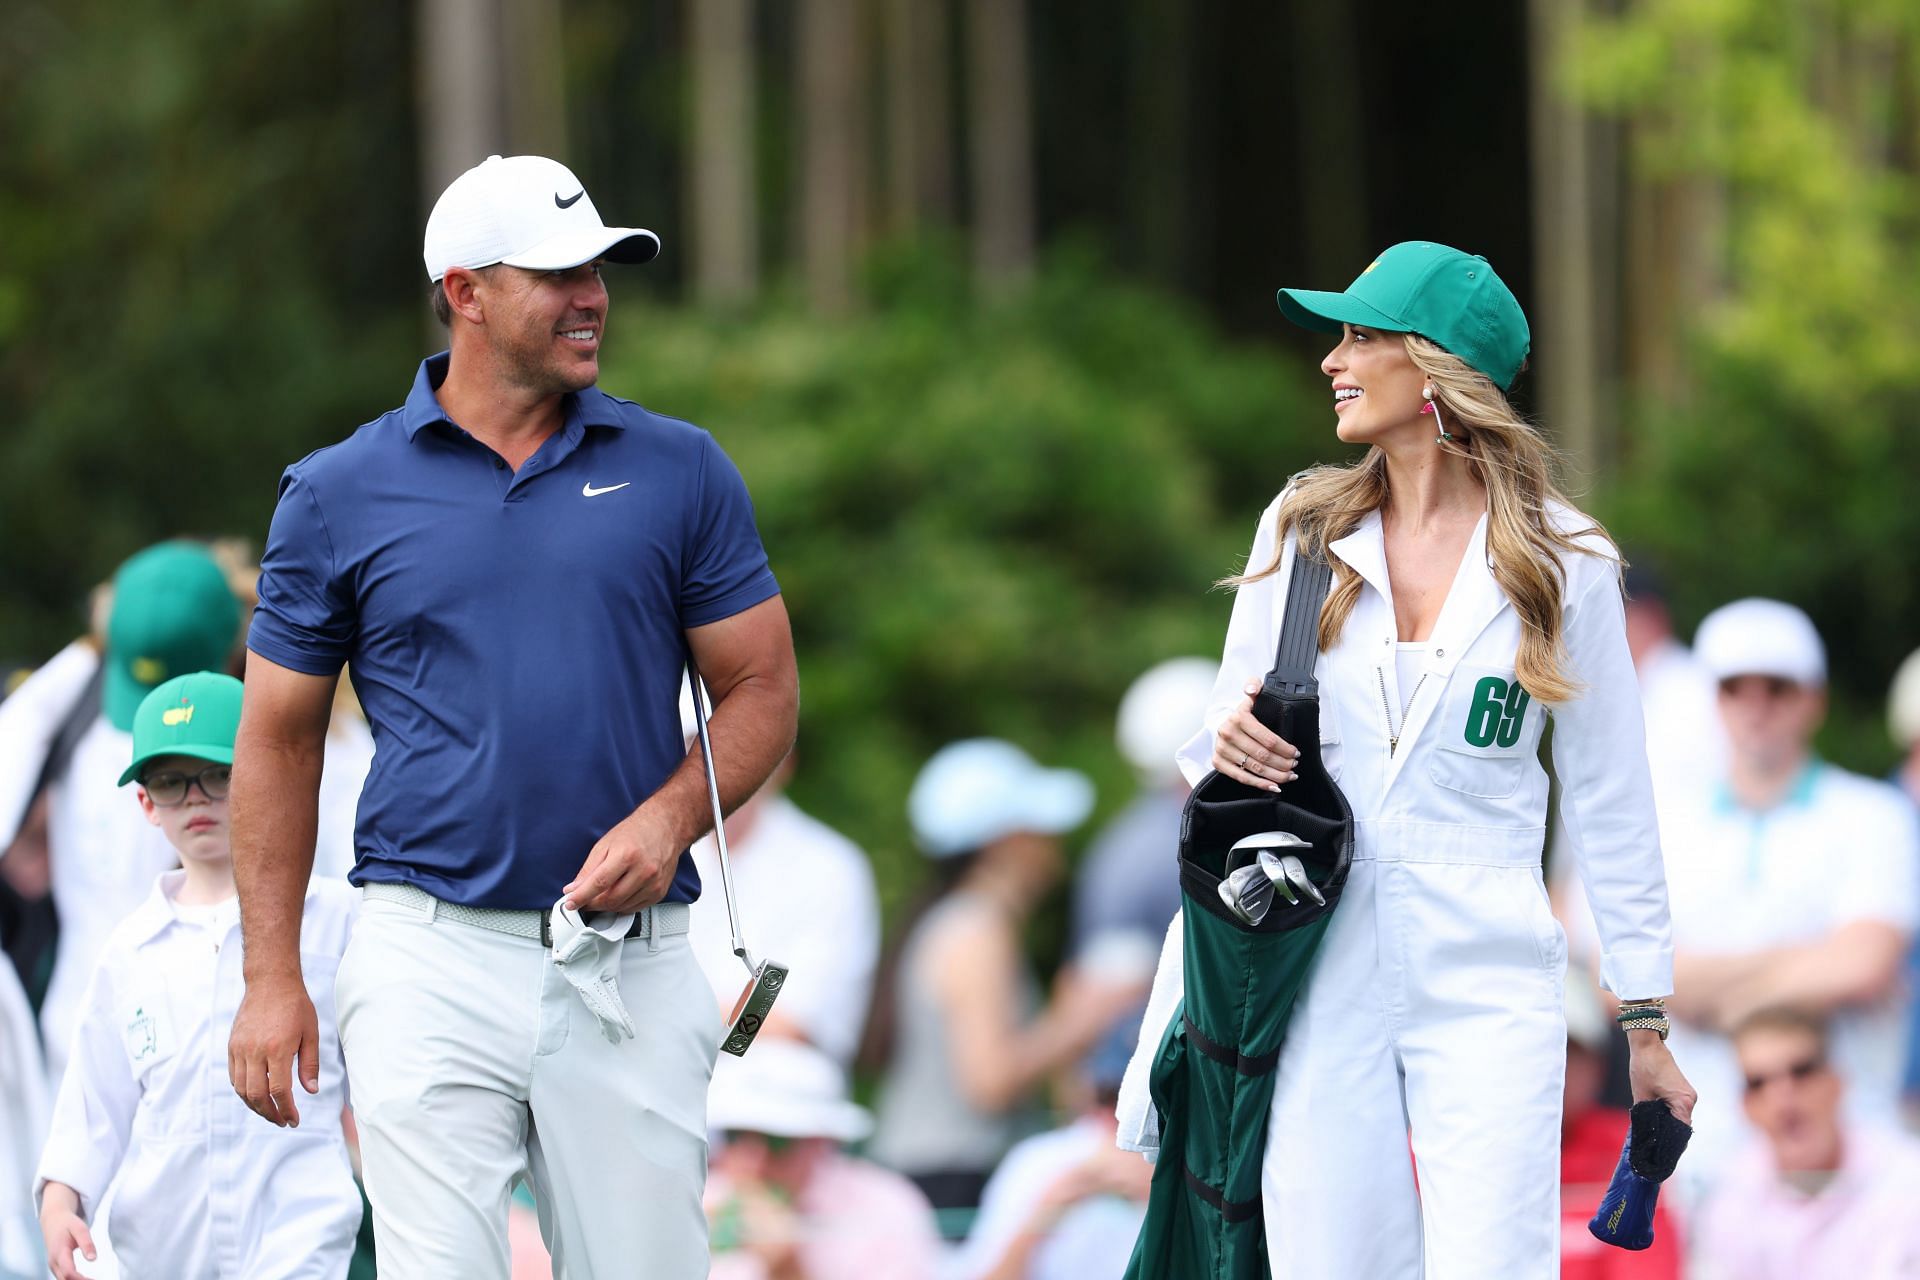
(499, 464)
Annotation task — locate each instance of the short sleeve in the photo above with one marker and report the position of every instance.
(724, 566)
(1881, 879)
(306, 616)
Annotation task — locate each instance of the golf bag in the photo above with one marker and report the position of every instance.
(1212, 1078)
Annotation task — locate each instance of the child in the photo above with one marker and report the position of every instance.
(201, 1186)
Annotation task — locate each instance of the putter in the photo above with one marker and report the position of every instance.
(765, 978)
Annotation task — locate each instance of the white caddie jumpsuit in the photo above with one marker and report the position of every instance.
(1434, 1012)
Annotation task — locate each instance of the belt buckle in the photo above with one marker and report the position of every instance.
(546, 929)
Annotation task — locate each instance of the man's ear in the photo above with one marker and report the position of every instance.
(463, 287)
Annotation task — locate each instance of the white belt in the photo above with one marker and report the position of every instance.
(666, 919)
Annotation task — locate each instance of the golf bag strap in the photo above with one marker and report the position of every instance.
(1300, 624)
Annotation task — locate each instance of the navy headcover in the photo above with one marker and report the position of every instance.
(1655, 1139)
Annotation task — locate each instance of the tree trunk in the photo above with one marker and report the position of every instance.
(1159, 181)
(1332, 170)
(830, 151)
(1567, 306)
(723, 207)
(1001, 143)
(919, 115)
(463, 117)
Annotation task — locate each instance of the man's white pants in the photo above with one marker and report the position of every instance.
(471, 1058)
(1433, 1014)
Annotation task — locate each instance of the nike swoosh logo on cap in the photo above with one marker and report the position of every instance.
(569, 201)
(588, 491)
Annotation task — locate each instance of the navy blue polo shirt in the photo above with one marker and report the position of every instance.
(515, 637)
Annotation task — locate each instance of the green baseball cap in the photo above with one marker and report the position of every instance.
(1442, 294)
(172, 613)
(192, 715)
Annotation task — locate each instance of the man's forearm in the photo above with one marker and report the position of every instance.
(275, 808)
(752, 730)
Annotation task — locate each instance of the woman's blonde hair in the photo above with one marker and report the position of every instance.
(1515, 463)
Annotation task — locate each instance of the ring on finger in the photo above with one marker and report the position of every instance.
(1243, 759)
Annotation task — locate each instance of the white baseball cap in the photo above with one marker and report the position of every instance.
(1160, 711)
(1755, 637)
(524, 211)
(977, 791)
(1903, 702)
(787, 1089)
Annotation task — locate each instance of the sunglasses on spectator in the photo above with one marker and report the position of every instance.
(1775, 687)
(1799, 1072)
(168, 787)
(776, 1143)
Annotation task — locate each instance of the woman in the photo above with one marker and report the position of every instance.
(1470, 604)
(971, 1045)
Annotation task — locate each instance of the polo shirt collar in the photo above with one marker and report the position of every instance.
(1798, 795)
(579, 410)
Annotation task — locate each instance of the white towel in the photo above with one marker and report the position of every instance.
(589, 958)
(1139, 1122)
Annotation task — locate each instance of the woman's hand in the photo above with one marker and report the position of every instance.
(1653, 1073)
(1247, 751)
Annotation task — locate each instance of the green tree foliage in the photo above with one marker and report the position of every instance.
(986, 520)
(1791, 467)
(204, 211)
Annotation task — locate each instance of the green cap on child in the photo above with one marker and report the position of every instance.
(192, 715)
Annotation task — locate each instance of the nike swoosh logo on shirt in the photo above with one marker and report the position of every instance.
(588, 491)
(568, 202)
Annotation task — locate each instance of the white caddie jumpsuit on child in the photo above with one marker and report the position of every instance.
(1434, 1011)
(201, 1186)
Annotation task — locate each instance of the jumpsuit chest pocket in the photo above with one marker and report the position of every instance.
(1488, 733)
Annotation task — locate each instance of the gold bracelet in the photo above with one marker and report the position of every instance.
(1658, 1024)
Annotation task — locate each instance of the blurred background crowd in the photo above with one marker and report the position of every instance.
(978, 295)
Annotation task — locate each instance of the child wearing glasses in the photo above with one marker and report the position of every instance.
(199, 1185)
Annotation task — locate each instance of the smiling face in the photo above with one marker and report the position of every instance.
(1792, 1096)
(1376, 387)
(543, 328)
(197, 826)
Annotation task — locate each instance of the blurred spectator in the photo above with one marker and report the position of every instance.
(1796, 886)
(1068, 1203)
(1127, 890)
(23, 1127)
(65, 732)
(785, 1201)
(1590, 1139)
(1903, 718)
(1818, 1197)
(970, 1046)
(807, 899)
(1686, 748)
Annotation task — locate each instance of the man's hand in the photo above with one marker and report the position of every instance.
(275, 1026)
(629, 869)
(64, 1230)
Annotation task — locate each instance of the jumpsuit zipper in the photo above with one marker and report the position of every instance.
(1393, 734)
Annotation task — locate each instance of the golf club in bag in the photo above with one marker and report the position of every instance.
(1260, 874)
(765, 978)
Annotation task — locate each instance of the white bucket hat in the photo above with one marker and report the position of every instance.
(974, 792)
(1903, 702)
(787, 1089)
(524, 211)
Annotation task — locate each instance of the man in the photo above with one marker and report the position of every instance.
(68, 729)
(517, 565)
(1794, 885)
(1819, 1197)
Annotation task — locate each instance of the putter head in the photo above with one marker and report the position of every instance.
(1248, 893)
(751, 1009)
(1289, 876)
